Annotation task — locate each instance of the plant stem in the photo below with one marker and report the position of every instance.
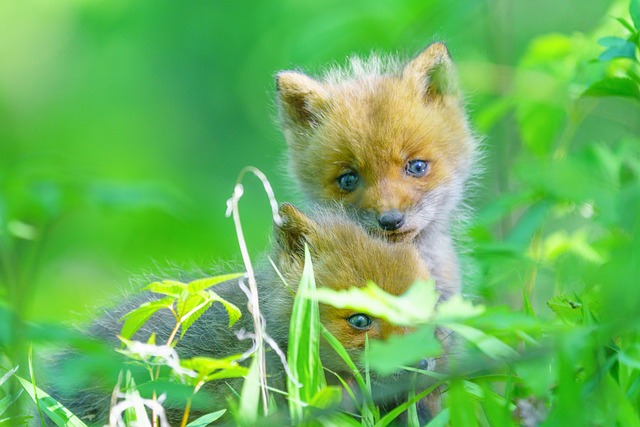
(185, 417)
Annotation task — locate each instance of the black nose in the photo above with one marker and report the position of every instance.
(391, 220)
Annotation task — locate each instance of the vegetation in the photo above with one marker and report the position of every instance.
(549, 330)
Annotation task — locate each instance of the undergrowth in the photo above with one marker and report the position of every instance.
(556, 341)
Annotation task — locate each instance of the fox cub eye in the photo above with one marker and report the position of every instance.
(348, 181)
(360, 321)
(417, 168)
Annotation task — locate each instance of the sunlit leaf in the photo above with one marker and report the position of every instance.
(413, 307)
(489, 345)
(233, 312)
(614, 86)
(202, 284)
(167, 287)
(206, 420)
(60, 415)
(135, 319)
(386, 357)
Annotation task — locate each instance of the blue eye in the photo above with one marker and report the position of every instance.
(348, 181)
(360, 321)
(417, 168)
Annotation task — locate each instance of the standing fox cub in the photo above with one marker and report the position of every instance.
(343, 255)
(391, 141)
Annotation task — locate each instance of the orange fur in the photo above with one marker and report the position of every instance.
(372, 120)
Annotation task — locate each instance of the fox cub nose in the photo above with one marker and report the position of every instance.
(391, 220)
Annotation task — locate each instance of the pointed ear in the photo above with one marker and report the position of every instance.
(433, 70)
(301, 98)
(296, 230)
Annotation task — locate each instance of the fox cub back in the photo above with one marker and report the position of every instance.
(343, 255)
(390, 140)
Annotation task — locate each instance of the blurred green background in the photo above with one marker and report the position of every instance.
(123, 125)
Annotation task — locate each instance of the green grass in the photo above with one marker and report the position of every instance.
(556, 261)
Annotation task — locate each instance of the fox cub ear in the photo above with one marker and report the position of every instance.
(433, 70)
(301, 98)
(296, 230)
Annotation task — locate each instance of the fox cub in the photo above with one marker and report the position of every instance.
(390, 140)
(337, 245)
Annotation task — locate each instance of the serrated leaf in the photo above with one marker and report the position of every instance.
(388, 356)
(614, 86)
(191, 319)
(135, 319)
(167, 287)
(60, 415)
(206, 420)
(233, 312)
(202, 284)
(413, 307)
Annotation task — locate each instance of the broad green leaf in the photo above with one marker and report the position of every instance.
(202, 284)
(233, 312)
(60, 415)
(190, 309)
(489, 345)
(457, 309)
(206, 420)
(386, 357)
(614, 86)
(303, 353)
(462, 403)
(617, 48)
(577, 243)
(209, 369)
(440, 420)
(135, 319)
(167, 287)
(413, 307)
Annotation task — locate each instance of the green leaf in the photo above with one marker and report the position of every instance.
(6, 376)
(567, 308)
(630, 356)
(191, 309)
(206, 420)
(634, 11)
(413, 307)
(233, 312)
(167, 287)
(623, 49)
(250, 396)
(327, 397)
(614, 86)
(303, 353)
(489, 345)
(202, 284)
(8, 400)
(60, 415)
(135, 319)
(386, 357)
(457, 309)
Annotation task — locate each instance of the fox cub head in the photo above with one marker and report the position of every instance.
(390, 140)
(345, 255)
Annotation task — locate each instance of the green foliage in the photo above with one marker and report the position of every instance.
(555, 239)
